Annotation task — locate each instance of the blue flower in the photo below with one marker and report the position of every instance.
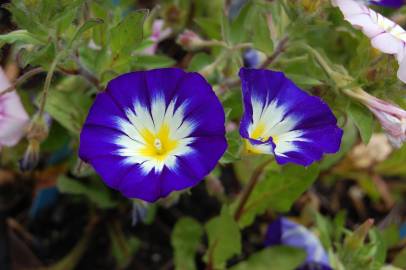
(285, 232)
(154, 132)
(388, 3)
(282, 120)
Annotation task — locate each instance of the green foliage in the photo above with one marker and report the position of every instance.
(400, 260)
(394, 165)
(153, 61)
(123, 248)
(185, 240)
(224, 239)
(90, 42)
(22, 36)
(233, 150)
(363, 119)
(69, 108)
(94, 191)
(278, 190)
(275, 258)
(127, 34)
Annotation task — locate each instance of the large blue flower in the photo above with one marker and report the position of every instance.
(284, 121)
(153, 132)
(285, 232)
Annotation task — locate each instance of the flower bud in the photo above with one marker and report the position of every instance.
(356, 239)
(391, 117)
(190, 40)
(31, 156)
(37, 133)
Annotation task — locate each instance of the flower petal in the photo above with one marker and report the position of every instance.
(153, 132)
(282, 119)
(285, 232)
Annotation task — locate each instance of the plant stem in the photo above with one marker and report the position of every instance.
(249, 188)
(22, 79)
(278, 50)
(47, 84)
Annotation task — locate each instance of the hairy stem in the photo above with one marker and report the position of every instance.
(22, 79)
(277, 52)
(249, 188)
(47, 84)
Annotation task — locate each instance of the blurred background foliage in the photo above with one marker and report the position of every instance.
(60, 216)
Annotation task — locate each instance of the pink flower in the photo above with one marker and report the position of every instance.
(13, 117)
(385, 35)
(158, 34)
(391, 117)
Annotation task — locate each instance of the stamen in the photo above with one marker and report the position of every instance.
(158, 144)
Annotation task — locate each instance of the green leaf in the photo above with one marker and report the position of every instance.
(199, 61)
(153, 61)
(84, 27)
(128, 33)
(123, 248)
(395, 164)
(304, 80)
(242, 24)
(262, 36)
(233, 150)
(391, 235)
(26, 19)
(69, 108)
(43, 56)
(22, 36)
(400, 259)
(325, 230)
(379, 246)
(210, 26)
(363, 119)
(278, 191)
(95, 191)
(274, 258)
(232, 99)
(224, 239)
(185, 240)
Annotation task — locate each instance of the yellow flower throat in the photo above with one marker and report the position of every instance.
(258, 134)
(158, 145)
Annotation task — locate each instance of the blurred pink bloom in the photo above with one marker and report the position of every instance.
(13, 117)
(158, 34)
(391, 117)
(385, 35)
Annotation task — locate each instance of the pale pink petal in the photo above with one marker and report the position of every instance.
(13, 117)
(385, 34)
(387, 43)
(364, 22)
(158, 34)
(402, 70)
(349, 7)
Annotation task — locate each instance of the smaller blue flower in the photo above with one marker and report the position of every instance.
(285, 232)
(282, 120)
